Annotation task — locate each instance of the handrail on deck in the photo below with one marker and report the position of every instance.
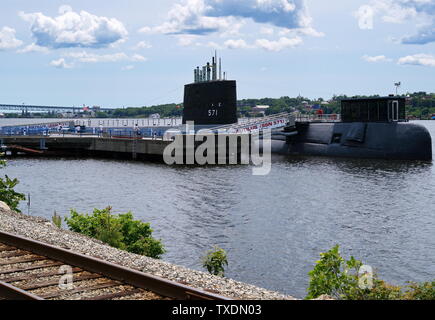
(333, 117)
(251, 121)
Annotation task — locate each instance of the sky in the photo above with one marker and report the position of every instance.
(134, 53)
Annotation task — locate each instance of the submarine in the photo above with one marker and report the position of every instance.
(374, 128)
(369, 128)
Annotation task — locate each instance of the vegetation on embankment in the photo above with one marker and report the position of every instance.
(117, 230)
(8, 194)
(352, 280)
(215, 261)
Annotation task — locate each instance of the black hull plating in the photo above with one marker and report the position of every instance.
(395, 140)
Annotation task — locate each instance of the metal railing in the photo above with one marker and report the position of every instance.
(105, 132)
(317, 117)
(242, 124)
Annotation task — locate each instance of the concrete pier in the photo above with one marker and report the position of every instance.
(127, 148)
(90, 145)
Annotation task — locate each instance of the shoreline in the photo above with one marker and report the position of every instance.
(43, 230)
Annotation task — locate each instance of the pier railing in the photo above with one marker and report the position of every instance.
(334, 117)
(91, 132)
(251, 124)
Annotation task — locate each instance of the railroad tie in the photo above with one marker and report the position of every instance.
(32, 267)
(33, 286)
(67, 293)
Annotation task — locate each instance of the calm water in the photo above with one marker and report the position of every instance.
(273, 227)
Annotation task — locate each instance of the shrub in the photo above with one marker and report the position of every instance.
(420, 291)
(215, 260)
(336, 277)
(332, 275)
(120, 231)
(7, 192)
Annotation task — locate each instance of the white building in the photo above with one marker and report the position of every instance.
(260, 109)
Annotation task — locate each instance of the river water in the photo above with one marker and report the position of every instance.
(273, 227)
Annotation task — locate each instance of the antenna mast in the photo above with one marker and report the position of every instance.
(397, 84)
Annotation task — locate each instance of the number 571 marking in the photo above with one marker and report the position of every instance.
(212, 112)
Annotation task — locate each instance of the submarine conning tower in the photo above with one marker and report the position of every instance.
(211, 99)
(380, 109)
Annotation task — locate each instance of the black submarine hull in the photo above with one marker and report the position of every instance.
(393, 140)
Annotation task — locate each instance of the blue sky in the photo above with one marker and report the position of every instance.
(135, 52)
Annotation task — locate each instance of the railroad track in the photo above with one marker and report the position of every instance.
(32, 270)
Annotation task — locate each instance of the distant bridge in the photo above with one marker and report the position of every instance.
(29, 108)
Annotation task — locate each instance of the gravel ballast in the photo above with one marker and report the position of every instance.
(43, 230)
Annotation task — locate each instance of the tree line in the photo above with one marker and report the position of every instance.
(419, 104)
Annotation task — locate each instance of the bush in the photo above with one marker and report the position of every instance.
(215, 260)
(120, 231)
(7, 192)
(420, 291)
(332, 275)
(336, 277)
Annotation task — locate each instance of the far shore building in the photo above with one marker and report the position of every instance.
(259, 110)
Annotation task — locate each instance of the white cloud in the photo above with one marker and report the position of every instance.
(8, 40)
(34, 48)
(60, 64)
(202, 17)
(94, 58)
(64, 9)
(143, 45)
(71, 29)
(280, 13)
(236, 44)
(265, 30)
(421, 59)
(86, 57)
(138, 58)
(279, 45)
(401, 11)
(145, 30)
(311, 32)
(213, 45)
(380, 58)
(186, 40)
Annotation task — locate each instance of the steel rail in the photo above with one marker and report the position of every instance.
(10, 292)
(161, 286)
